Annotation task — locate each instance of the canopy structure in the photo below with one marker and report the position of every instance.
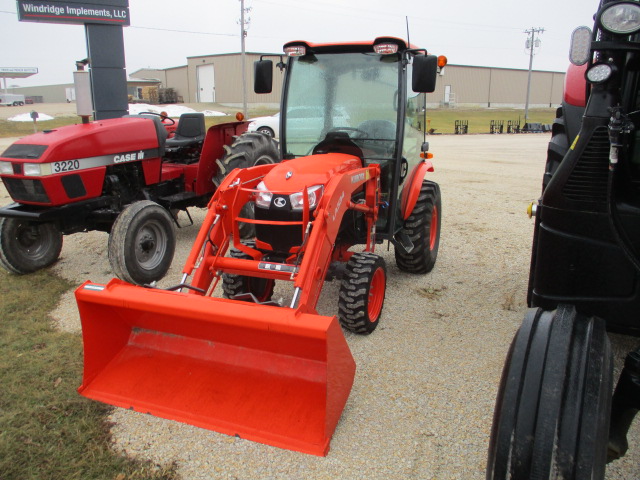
(15, 72)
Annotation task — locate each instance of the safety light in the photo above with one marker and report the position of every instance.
(580, 46)
(295, 51)
(621, 18)
(385, 48)
(6, 168)
(239, 116)
(32, 169)
(599, 73)
(442, 61)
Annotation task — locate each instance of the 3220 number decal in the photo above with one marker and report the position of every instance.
(66, 166)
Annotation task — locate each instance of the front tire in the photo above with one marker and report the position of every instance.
(423, 228)
(142, 243)
(261, 289)
(26, 247)
(552, 412)
(362, 291)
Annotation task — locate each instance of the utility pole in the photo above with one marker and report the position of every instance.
(531, 43)
(243, 33)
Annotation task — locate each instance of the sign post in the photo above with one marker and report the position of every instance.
(103, 21)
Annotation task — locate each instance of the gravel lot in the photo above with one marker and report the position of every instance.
(422, 403)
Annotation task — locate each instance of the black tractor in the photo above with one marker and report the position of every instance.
(557, 413)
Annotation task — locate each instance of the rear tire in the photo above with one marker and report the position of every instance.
(362, 291)
(232, 285)
(423, 228)
(26, 247)
(552, 412)
(247, 150)
(142, 243)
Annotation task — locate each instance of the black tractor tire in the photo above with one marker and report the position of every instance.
(26, 247)
(247, 150)
(551, 419)
(142, 243)
(234, 285)
(362, 292)
(423, 228)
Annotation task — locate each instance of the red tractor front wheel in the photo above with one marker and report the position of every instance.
(26, 247)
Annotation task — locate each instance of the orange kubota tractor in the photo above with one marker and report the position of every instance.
(276, 371)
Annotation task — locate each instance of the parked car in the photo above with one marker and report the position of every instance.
(267, 125)
(301, 120)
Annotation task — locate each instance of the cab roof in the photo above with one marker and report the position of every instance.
(346, 47)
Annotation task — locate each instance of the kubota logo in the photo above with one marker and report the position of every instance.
(128, 157)
(279, 202)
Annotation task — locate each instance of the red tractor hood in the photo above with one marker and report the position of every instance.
(293, 175)
(93, 139)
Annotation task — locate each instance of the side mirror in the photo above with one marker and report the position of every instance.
(425, 72)
(263, 76)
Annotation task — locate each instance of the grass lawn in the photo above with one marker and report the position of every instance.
(47, 430)
(442, 120)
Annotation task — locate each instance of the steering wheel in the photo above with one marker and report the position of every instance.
(162, 117)
(360, 133)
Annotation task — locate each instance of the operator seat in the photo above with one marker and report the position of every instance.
(379, 129)
(339, 142)
(190, 132)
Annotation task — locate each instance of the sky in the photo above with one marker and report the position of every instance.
(164, 33)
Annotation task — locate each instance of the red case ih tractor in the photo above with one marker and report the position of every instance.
(121, 176)
(245, 363)
(556, 413)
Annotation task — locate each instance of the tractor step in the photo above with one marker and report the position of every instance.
(178, 199)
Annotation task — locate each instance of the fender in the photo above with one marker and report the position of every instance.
(411, 190)
(575, 86)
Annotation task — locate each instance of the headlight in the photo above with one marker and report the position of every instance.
(32, 169)
(297, 199)
(6, 168)
(263, 197)
(599, 73)
(621, 18)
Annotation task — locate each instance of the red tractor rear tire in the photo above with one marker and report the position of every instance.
(362, 293)
(26, 247)
(248, 150)
(142, 243)
(423, 228)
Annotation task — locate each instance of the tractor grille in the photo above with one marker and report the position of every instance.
(588, 180)
(24, 190)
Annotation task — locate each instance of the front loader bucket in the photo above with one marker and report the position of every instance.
(264, 373)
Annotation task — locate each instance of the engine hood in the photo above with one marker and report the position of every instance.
(292, 176)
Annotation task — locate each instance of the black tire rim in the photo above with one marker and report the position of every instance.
(32, 241)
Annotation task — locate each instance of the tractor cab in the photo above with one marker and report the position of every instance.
(363, 99)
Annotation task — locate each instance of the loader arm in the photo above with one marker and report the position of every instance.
(336, 201)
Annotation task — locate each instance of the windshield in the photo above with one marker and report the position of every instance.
(354, 93)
